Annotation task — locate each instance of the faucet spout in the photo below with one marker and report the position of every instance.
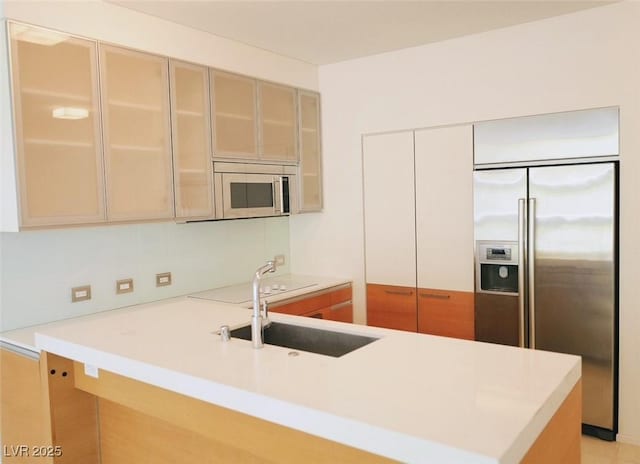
(256, 318)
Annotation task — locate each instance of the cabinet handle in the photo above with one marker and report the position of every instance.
(435, 296)
(399, 292)
(340, 305)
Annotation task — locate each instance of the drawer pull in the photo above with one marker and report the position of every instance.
(340, 305)
(435, 296)
(399, 292)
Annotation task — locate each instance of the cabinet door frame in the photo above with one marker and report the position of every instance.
(232, 155)
(169, 213)
(303, 207)
(259, 123)
(26, 220)
(177, 193)
(388, 171)
(444, 219)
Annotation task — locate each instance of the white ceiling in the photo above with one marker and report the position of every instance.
(323, 32)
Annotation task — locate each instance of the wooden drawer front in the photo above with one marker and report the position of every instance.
(446, 313)
(303, 306)
(342, 312)
(392, 307)
(319, 301)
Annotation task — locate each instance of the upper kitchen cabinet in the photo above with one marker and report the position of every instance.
(137, 134)
(277, 122)
(310, 150)
(191, 139)
(234, 112)
(57, 125)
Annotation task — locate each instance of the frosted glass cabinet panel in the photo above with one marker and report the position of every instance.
(191, 138)
(234, 115)
(310, 160)
(137, 141)
(59, 154)
(277, 122)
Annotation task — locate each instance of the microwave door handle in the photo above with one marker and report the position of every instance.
(277, 195)
(281, 193)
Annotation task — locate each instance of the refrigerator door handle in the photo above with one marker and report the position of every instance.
(531, 275)
(522, 250)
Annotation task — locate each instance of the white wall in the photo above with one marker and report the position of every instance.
(38, 268)
(581, 60)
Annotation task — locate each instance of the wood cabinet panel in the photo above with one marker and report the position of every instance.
(73, 413)
(446, 313)
(191, 139)
(392, 306)
(22, 412)
(57, 123)
(143, 424)
(310, 151)
(331, 304)
(560, 440)
(137, 134)
(341, 312)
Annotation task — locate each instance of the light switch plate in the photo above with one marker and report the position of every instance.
(91, 371)
(124, 286)
(280, 260)
(163, 279)
(80, 293)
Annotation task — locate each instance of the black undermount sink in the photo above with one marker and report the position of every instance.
(318, 341)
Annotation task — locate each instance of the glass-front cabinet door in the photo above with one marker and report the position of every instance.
(56, 104)
(137, 134)
(310, 160)
(277, 123)
(191, 138)
(234, 115)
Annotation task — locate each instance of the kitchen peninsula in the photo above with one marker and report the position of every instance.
(157, 382)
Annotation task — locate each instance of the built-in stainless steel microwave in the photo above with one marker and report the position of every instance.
(254, 190)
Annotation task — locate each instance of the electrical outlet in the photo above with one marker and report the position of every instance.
(279, 259)
(163, 279)
(80, 293)
(124, 286)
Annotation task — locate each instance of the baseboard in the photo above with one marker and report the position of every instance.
(598, 432)
(628, 439)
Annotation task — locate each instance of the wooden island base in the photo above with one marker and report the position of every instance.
(116, 420)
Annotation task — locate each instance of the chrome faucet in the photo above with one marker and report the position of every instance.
(256, 319)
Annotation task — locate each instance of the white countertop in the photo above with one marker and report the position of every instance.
(410, 397)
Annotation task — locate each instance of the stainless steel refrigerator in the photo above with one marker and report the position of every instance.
(546, 270)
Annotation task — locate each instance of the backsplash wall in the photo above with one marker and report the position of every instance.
(39, 268)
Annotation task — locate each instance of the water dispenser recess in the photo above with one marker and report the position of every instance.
(499, 278)
(497, 267)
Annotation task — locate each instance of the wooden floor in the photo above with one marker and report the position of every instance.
(596, 451)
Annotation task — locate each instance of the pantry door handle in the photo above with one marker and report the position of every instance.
(435, 296)
(399, 292)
